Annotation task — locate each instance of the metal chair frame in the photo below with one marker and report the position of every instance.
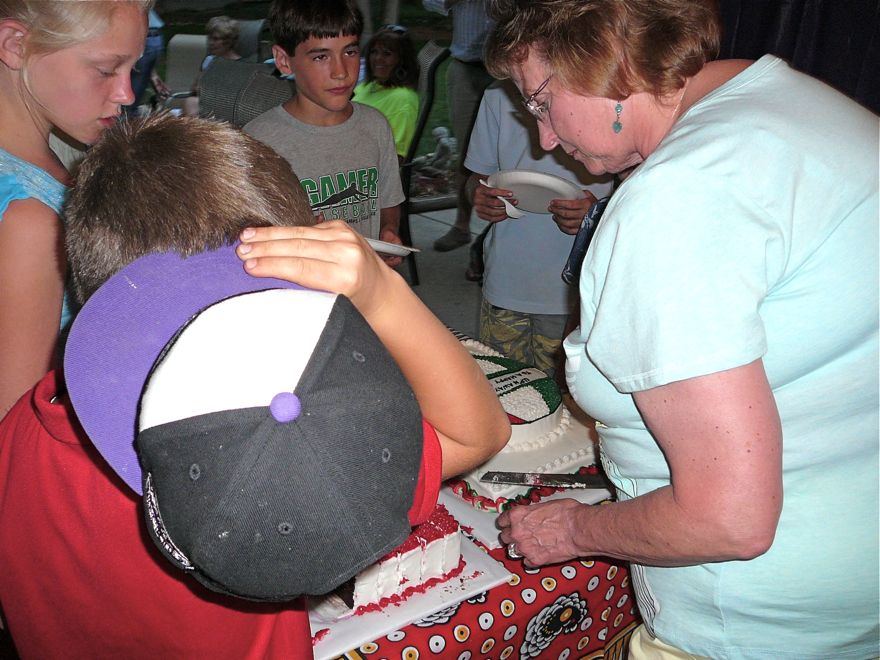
(430, 57)
(183, 59)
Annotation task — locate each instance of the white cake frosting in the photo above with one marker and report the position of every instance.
(394, 574)
(431, 552)
(544, 425)
(550, 440)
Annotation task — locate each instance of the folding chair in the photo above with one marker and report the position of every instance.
(236, 91)
(249, 33)
(430, 58)
(183, 59)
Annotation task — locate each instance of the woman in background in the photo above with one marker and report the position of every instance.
(64, 65)
(390, 84)
(222, 36)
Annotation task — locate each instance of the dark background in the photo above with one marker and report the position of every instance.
(837, 41)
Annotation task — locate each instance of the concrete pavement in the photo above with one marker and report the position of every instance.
(443, 287)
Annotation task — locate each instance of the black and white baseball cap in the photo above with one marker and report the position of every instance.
(275, 441)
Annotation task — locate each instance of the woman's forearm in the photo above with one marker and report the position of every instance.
(654, 530)
(722, 441)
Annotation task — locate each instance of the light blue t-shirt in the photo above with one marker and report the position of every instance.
(155, 21)
(21, 180)
(751, 232)
(523, 257)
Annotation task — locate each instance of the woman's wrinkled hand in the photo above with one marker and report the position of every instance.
(329, 256)
(569, 213)
(543, 532)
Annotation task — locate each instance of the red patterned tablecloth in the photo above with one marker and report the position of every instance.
(582, 609)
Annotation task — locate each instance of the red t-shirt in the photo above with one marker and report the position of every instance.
(79, 576)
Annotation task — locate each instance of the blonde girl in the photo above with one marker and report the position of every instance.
(64, 65)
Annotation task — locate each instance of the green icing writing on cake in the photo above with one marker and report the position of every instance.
(513, 375)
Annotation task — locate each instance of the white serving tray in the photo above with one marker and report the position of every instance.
(481, 572)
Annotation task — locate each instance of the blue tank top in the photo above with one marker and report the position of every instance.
(22, 180)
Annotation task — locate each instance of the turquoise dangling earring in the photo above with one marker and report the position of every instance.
(617, 126)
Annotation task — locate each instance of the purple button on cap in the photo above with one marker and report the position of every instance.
(285, 407)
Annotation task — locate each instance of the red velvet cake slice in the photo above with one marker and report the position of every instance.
(430, 555)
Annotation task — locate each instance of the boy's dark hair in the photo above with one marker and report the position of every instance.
(166, 183)
(406, 74)
(294, 21)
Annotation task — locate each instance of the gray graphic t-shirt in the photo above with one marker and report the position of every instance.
(348, 171)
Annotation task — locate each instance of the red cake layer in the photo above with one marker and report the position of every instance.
(409, 591)
(438, 525)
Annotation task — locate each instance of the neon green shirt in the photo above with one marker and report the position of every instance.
(400, 105)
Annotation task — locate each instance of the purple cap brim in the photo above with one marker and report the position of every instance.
(122, 329)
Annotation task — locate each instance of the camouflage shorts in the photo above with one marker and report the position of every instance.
(533, 339)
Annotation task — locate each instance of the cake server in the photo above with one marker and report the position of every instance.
(545, 479)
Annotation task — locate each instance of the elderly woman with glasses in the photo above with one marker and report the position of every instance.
(392, 75)
(728, 338)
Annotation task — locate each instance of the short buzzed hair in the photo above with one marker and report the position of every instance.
(166, 183)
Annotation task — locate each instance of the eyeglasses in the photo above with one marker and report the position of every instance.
(396, 29)
(538, 110)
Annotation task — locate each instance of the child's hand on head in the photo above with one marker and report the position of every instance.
(329, 256)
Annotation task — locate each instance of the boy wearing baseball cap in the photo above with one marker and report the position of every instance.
(262, 420)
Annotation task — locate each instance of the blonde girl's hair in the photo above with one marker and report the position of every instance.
(607, 48)
(54, 25)
(57, 24)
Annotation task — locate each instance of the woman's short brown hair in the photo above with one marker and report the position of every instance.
(225, 29)
(608, 48)
(166, 183)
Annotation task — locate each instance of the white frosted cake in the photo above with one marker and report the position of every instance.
(545, 437)
(430, 555)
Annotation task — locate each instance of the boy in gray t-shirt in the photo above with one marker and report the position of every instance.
(342, 152)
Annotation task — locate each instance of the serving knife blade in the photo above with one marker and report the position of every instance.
(544, 479)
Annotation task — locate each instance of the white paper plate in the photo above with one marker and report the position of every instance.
(383, 247)
(534, 190)
(481, 573)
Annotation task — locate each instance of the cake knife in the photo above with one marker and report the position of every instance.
(545, 479)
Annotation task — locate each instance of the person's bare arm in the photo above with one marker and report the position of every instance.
(453, 394)
(722, 438)
(159, 85)
(32, 270)
(389, 231)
